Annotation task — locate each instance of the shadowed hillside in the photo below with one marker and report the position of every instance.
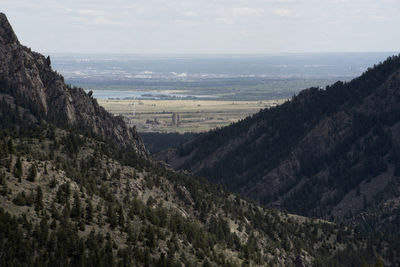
(330, 153)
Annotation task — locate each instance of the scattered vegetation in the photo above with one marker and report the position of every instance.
(81, 214)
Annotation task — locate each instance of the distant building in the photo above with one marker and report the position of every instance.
(176, 120)
(154, 122)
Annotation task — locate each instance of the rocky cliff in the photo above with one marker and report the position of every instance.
(29, 75)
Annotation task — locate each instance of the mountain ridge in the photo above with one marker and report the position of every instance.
(278, 154)
(28, 75)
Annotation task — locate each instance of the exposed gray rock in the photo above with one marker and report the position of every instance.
(30, 74)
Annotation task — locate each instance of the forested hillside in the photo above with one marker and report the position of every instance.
(156, 142)
(68, 199)
(332, 153)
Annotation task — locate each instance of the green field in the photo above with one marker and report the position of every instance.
(194, 115)
(236, 90)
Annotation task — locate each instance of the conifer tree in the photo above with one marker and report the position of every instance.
(89, 212)
(18, 169)
(38, 199)
(10, 146)
(76, 211)
(32, 173)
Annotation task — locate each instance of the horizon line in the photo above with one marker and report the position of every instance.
(217, 53)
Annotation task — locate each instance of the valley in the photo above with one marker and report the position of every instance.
(191, 115)
(312, 181)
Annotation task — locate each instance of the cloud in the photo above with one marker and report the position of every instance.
(92, 16)
(90, 12)
(209, 24)
(224, 20)
(96, 20)
(376, 17)
(246, 11)
(103, 21)
(282, 12)
(280, 1)
(189, 14)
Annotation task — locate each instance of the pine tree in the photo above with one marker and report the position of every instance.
(76, 212)
(48, 61)
(89, 212)
(38, 199)
(32, 173)
(18, 169)
(10, 146)
(44, 231)
(2, 178)
(66, 212)
(112, 216)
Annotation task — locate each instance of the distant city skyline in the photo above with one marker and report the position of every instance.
(205, 27)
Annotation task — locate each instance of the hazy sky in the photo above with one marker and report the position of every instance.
(205, 26)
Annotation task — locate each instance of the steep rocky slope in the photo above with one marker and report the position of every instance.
(331, 152)
(30, 79)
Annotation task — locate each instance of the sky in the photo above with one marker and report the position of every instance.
(205, 26)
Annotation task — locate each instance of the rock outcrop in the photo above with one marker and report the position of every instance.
(30, 76)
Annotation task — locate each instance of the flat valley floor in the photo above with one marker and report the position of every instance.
(183, 115)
